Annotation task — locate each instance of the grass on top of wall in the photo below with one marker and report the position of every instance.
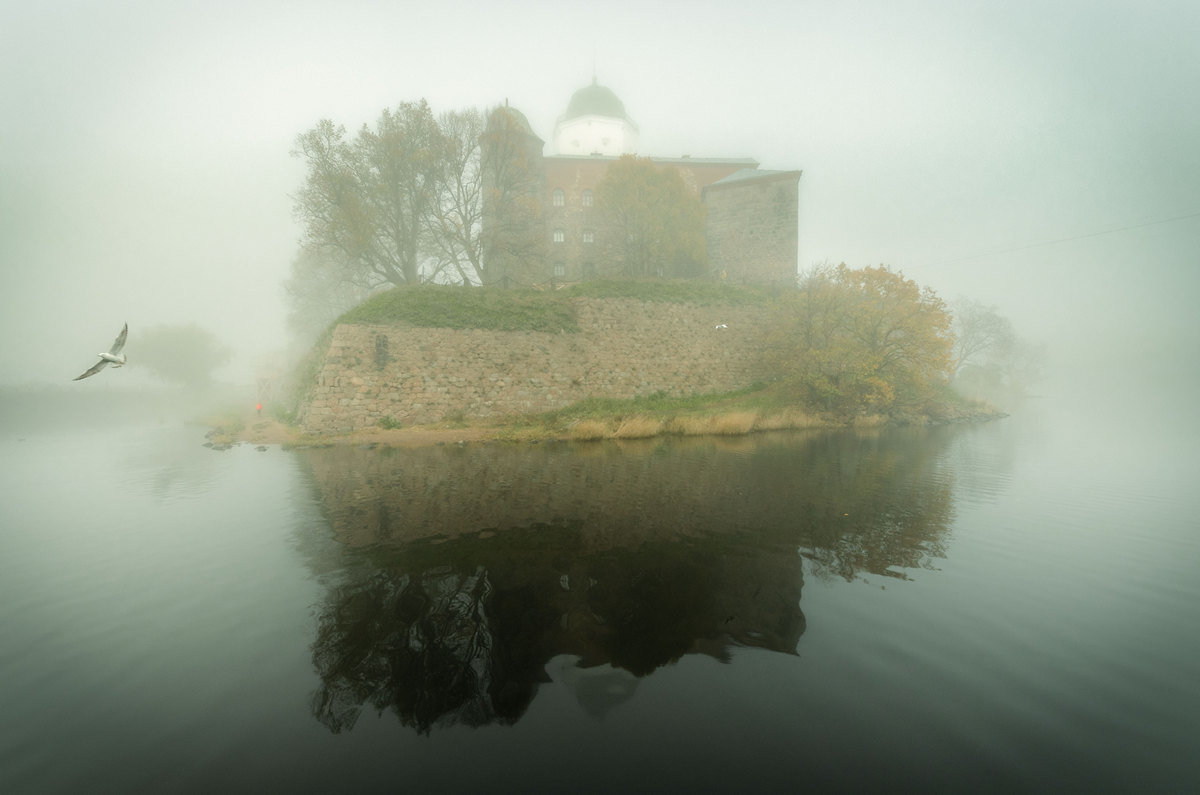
(442, 306)
(703, 293)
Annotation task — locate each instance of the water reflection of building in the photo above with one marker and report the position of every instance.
(472, 568)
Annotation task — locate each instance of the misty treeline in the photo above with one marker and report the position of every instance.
(989, 359)
(404, 203)
(182, 355)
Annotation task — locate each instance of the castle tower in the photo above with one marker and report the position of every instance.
(514, 181)
(595, 124)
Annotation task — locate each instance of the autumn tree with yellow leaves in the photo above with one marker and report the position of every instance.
(862, 340)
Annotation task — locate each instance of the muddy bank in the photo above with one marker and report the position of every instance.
(258, 429)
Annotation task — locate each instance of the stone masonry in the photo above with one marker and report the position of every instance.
(624, 349)
(751, 227)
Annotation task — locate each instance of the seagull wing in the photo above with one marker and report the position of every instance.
(95, 368)
(119, 342)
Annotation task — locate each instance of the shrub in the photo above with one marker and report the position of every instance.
(861, 340)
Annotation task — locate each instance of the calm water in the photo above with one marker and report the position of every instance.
(1002, 606)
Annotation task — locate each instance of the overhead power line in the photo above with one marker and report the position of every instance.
(1056, 241)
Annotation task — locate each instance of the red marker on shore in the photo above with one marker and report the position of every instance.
(258, 407)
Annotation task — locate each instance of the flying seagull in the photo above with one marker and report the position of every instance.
(113, 357)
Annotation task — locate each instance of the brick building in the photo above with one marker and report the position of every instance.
(751, 223)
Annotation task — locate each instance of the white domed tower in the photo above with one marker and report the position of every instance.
(595, 124)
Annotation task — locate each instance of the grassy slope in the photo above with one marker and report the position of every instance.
(439, 306)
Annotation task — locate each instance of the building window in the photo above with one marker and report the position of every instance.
(560, 269)
(558, 198)
(589, 236)
(587, 197)
(559, 236)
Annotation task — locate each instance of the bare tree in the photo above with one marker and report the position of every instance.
(418, 199)
(456, 223)
(980, 332)
(990, 360)
(369, 201)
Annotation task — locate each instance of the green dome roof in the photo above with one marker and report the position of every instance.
(595, 100)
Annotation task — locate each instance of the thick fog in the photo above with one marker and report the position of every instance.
(1038, 157)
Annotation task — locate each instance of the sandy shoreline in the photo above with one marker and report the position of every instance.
(263, 430)
(269, 431)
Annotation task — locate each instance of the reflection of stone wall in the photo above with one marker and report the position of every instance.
(854, 502)
(615, 489)
(624, 349)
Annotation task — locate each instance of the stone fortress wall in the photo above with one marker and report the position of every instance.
(751, 227)
(624, 348)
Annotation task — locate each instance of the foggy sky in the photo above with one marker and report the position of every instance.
(987, 150)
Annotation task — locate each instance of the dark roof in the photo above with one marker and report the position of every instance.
(747, 174)
(595, 100)
(749, 162)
